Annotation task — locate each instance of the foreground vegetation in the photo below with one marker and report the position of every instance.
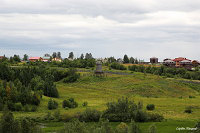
(89, 98)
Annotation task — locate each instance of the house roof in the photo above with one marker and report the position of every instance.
(196, 61)
(169, 61)
(179, 59)
(34, 58)
(46, 58)
(186, 61)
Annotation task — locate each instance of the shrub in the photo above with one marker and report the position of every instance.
(117, 66)
(72, 76)
(85, 104)
(18, 107)
(48, 116)
(141, 116)
(67, 117)
(70, 103)
(90, 115)
(134, 128)
(52, 104)
(122, 128)
(152, 129)
(57, 115)
(191, 96)
(188, 110)
(34, 108)
(140, 105)
(150, 107)
(26, 108)
(155, 117)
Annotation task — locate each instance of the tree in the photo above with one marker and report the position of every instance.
(16, 58)
(71, 55)
(126, 60)
(7, 122)
(54, 55)
(59, 55)
(25, 57)
(82, 56)
(132, 60)
(88, 56)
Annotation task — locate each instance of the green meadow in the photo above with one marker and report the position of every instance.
(170, 97)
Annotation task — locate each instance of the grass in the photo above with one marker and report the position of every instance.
(169, 126)
(169, 96)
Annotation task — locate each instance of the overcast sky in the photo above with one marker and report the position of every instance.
(138, 28)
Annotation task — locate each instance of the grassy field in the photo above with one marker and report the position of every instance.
(169, 96)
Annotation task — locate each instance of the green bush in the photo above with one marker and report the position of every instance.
(191, 96)
(117, 66)
(150, 107)
(90, 115)
(155, 117)
(70, 103)
(34, 108)
(52, 104)
(72, 76)
(26, 108)
(188, 110)
(85, 104)
(122, 128)
(18, 107)
(141, 116)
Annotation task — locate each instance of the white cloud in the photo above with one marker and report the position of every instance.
(105, 28)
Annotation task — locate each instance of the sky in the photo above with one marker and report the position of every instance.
(138, 28)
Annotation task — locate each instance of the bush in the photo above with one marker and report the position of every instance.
(85, 104)
(152, 129)
(188, 109)
(18, 107)
(155, 117)
(26, 108)
(141, 116)
(122, 128)
(150, 107)
(191, 96)
(117, 66)
(72, 76)
(52, 104)
(134, 128)
(67, 117)
(57, 115)
(70, 103)
(34, 108)
(90, 115)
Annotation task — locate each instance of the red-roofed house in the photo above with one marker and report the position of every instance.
(34, 59)
(195, 63)
(1, 57)
(178, 60)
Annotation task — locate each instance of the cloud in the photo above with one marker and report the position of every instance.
(140, 28)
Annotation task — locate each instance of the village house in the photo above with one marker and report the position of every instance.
(196, 63)
(169, 63)
(57, 59)
(1, 57)
(46, 58)
(34, 59)
(179, 62)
